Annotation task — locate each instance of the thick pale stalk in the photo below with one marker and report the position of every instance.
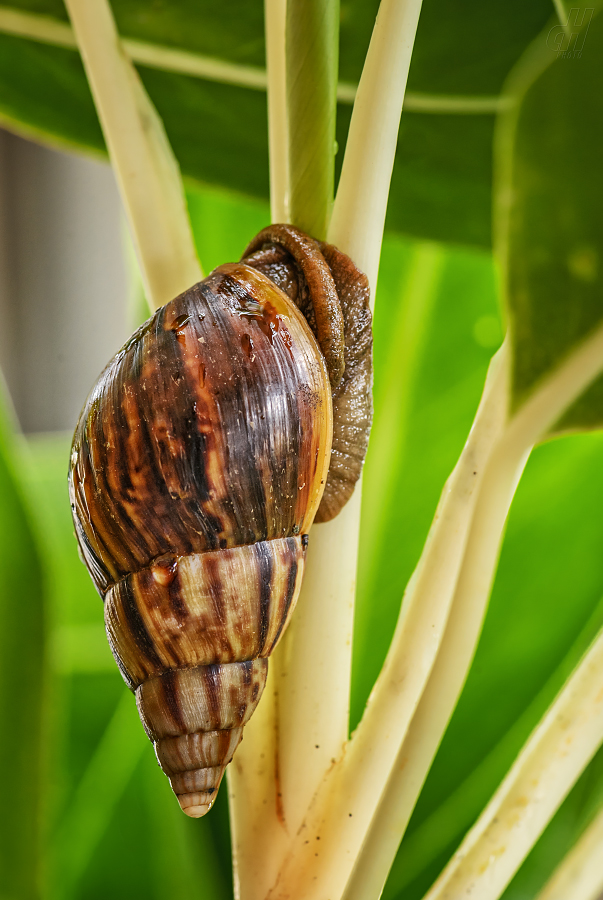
(313, 722)
(580, 875)
(275, 16)
(359, 210)
(543, 774)
(312, 61)
(146, 169)
(315, 659)
(500, 478)
(259, 836)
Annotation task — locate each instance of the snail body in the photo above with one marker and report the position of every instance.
(198, 465)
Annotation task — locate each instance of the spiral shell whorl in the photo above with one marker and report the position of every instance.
(210, 429)
(195, 763)
(191, 636)
(217, 607)
(195, 718)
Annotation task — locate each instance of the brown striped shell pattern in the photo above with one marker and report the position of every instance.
(230, 420)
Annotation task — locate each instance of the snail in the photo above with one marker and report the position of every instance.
(234, 417)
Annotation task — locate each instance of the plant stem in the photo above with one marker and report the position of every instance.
(312, 60)
(359, 211)
(146, 169)
(476, 574)
(312, 666)
(580, 874)
(559, 749)
(259, 836)
(275, 18)
(302, 56)
(315, 658)
(315, 663)
(462, 807)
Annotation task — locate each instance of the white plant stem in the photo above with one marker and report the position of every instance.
(315, 657)
(315, 661)
(259, 836)
(311, 668)
(144, 164)
(271, 772)
(546, 769)
(275, 16)
(361, 202)
(580, 875)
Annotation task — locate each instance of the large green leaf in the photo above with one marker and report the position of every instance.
(22, 671)
(442, 178)
(551, 194)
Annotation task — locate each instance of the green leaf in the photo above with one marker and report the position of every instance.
(550, 196)
(22, 680)
(100, 788)
(190, 857)
(441, 185)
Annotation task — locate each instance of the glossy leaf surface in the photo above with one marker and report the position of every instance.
(442, 179)
(551, 191)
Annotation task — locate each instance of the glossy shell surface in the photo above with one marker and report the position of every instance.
(334, 297)
(197, 467)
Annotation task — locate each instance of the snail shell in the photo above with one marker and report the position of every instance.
(197, 467)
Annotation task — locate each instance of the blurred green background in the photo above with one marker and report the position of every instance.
(111, 824)
(86, 811)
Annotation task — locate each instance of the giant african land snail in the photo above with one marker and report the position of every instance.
(198, 465)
